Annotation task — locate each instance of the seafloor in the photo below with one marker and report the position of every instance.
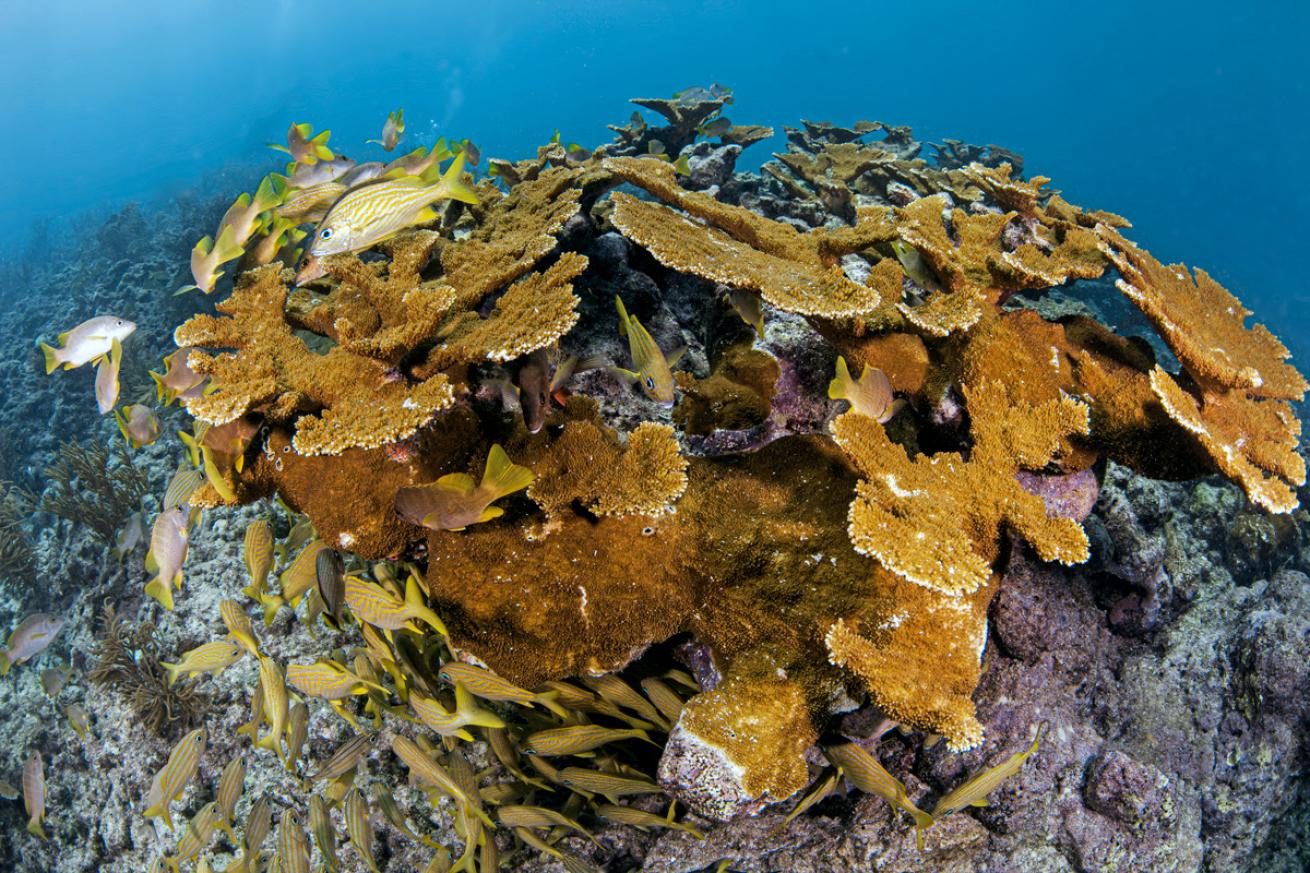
(1172, 668)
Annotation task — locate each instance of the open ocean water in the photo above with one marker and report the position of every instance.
(1147, 684)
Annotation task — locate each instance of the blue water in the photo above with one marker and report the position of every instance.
(1191, 119)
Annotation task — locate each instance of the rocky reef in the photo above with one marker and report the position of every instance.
(1071, 522)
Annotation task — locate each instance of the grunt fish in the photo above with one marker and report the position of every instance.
(180, 488)
(392, 130)
(870, 396)
(302, 574)
(212, 658)
(34, 795)
(578, 738)
(418, 162)
(394, 814)
(310, 204)
(172, 780)
(823, 786)
(375, 211)
(282, 234)
(256, 711)
(452, 724)
(107, 378)
(243, 216)
(630, 815)
(653, 371)
(33, 636)
(258, 823)
(198, 834)
(866, 773)
(320, 823)
(208, 255)
(238, 626)
(424, 768)
(138, 424)
(365, 172)
(178, 379)
(297, 732)
(78, 720)
(328, 576)
(257, 553)
(309, 175)
(292, 844)
(7, 791)
(454, 502)
(666, 700)
(515, 816)
(344, 759)
(487, 685)
(327, 680)
(304, 146)
(612, 785)
(373, 604)
(230, 785)
(89, 341)
(620, 693)
(275, 705)
(749, 307)
(533, 379)
(358, 829)
(168, 550)
(974, 792)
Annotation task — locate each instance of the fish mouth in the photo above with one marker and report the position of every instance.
(311, 268)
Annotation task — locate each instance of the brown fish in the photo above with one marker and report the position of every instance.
(454, 501)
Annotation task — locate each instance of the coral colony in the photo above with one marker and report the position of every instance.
(511, 539)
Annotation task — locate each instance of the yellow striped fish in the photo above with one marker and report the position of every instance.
(653, 371)
(508, 755)
(327, 680)
(196, 839)
(238, 626)
(974, 792)
(325, 836)
(302, 574)
(292, 844)
(578, 738)
(514, 816)
(487, 685)
(259, 821)
(180, 488)
(394, 814)
(328, 572)
(275, 704)
(344, 759)
(378, 210)
(666, 700)
(611, 785)
(358, 828)
(297, 732)
(822, 788)
(212, 657)
(310, 204)
(172, 780)
(447, 723)
(870, 395)
(866, 773)
(230, 784)
(34, 795)
(423, 767)
(639, 818)
(373, 604)
(620, 693)
(257, 553)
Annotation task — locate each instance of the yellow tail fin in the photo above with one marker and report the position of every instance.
(52, 361)
(452, 184)
(838, 388)
(623, 316)
(161, 590)
(503, 476)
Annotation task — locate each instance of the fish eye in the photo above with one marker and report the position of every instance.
(325, 233)
(647, 531)
(650, 383)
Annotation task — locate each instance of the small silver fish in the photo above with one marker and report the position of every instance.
(32, 636)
